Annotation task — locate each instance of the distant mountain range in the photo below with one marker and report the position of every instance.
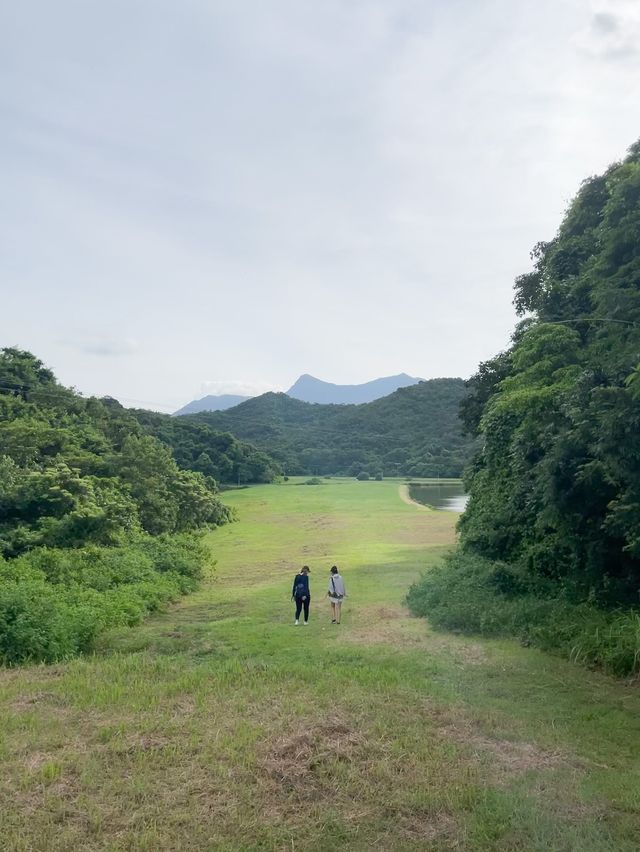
(212, 403)
(309, 389)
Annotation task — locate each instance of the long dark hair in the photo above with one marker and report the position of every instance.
(334, 569)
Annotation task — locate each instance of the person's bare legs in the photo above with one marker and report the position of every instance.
(338, 610)
(333, 612)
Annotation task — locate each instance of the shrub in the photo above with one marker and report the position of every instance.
(313, 481)
(34, 622)
(470, 594)
(378, 477)
(186, 554)
(55, 602)
(363, 476)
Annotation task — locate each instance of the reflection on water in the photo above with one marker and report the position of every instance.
(449, 496)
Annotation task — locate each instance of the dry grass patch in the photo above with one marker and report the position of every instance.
(135, 743)
(393, 624)
(336, 770)
(389, 625)
(413, 830)
(465, 652)
(503, 758)
(293, 760)
(37, 700)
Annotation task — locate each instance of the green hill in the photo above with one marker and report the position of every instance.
(414, 431)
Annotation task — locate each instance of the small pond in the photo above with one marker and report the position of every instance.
(449, 496)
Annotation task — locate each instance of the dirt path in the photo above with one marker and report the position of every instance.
(403, 491)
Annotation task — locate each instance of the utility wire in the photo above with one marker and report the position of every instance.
(26, 388)
(588, 319)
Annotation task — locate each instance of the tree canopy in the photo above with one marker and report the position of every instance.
(198, 446)
(75, 471)
(555, 489)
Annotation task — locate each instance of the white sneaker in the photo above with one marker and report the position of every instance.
(305, 624)
(296, 622)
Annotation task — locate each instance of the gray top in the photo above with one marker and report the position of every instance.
(336, 587)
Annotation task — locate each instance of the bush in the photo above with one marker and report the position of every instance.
(55, 602)
(363, 476)
(470, 594)
(313, 481)
(378, 477)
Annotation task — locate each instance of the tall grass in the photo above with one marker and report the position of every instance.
(465, 594)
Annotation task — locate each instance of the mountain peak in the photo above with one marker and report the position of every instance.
(309, 389)
(219, 402)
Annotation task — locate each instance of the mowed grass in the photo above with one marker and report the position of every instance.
(221, 726)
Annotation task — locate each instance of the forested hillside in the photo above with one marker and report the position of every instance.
(95, 516)
(555, 489)
(198, 446)
(415, 431)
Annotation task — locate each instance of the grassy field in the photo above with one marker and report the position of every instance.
(221, 726)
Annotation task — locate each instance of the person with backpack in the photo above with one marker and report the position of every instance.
(336, 594)
(301, 594)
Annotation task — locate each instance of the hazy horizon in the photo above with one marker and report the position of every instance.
(213, 198)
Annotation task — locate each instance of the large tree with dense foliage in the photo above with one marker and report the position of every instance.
(555, 489)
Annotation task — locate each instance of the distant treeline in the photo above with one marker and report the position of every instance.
(415, 431)
(552, 530)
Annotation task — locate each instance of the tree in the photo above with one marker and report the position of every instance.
(555, 490)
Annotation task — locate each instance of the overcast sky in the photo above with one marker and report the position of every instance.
(205, 197)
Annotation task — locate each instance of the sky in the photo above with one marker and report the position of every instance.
(215, 197)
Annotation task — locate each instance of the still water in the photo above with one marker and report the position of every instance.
(449, 496)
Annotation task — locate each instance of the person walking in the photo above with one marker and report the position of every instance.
(301, 594)
(336, 594)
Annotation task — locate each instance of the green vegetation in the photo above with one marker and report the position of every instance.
(218, 725)
(95, 516)
(414, 431)
(467, 593)
(55, 602)
(197, 446)
(555, 489)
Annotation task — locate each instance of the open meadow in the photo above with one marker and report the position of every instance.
(220, 726)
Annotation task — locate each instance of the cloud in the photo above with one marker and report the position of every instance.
(613, 32)
(239, 388)
(605, 22)
(104, 348)
(257, 190)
